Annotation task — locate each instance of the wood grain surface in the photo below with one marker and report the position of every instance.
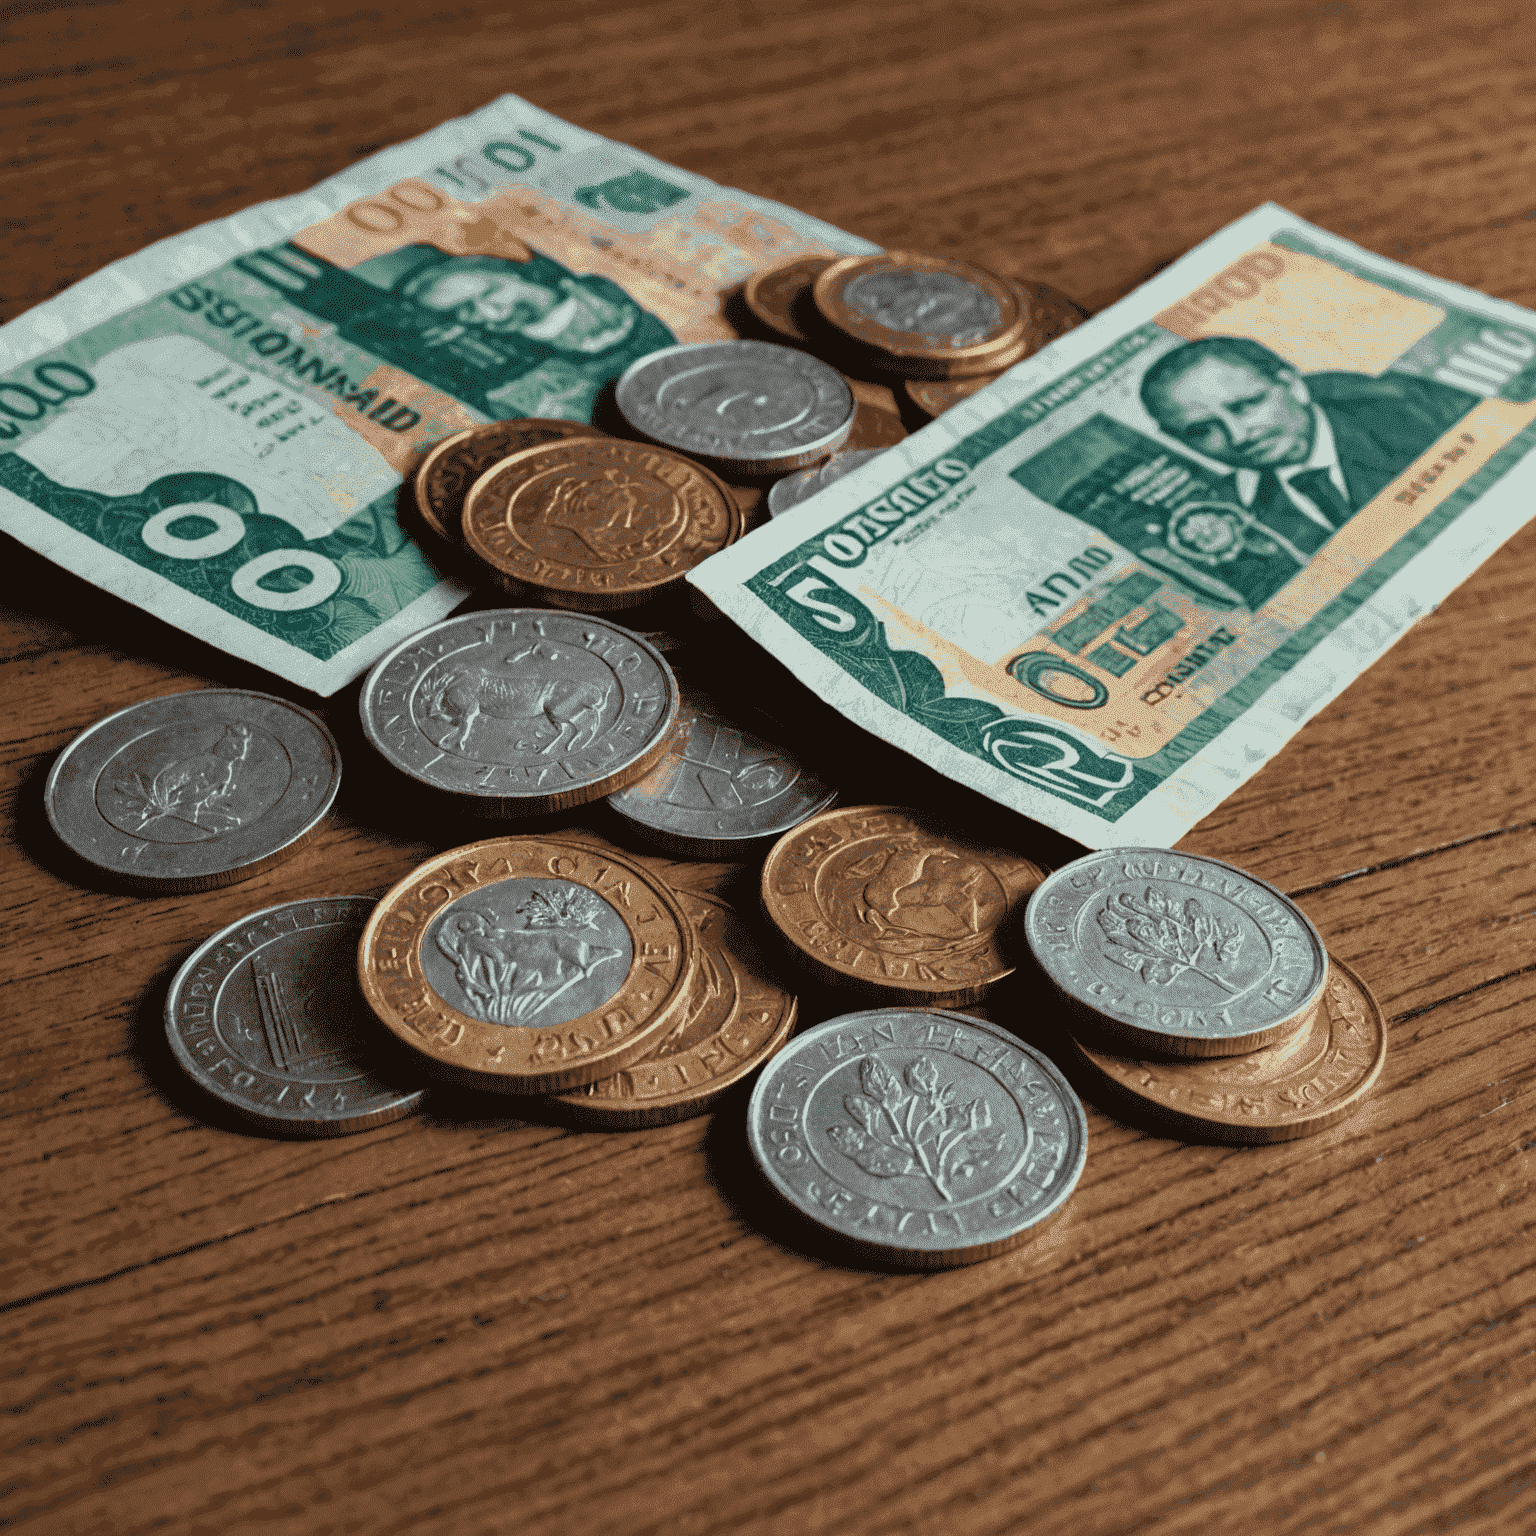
(480, 1320)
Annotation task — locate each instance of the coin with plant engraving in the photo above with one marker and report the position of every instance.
(778, 295)
(1175, 953)
(266, 1016)
(919, 1136)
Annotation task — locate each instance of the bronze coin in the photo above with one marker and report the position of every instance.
(935, 396)
(1050, 312)
(774, 293)
(873, 428)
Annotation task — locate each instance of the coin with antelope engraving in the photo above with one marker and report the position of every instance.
(801, 486)
(1176, 953)
(920, 1137)
(529, 964)
(189, 791)
(266, 1016)
(775, 294)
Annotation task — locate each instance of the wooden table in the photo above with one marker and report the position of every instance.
(469, 1322)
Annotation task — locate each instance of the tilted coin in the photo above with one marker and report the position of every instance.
(937, 395)
(751, 406)
(921, 1137)
(872, 895)
(775, 293)
(1176, 953)
(528, 964)
(737, 1016)
(794, 489)
(266, 1016)
(1296, 1087)
(189, 791)
(518, 711)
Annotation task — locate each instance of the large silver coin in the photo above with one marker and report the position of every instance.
(1177, 953)
(267, 1016)
(750, 406)
(793, 489)
(719, 789)
(189, 791)
(522, 710)
(924, 1137)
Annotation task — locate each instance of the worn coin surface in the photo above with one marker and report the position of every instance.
(518, 711)
(189, 791)
(922, 1137)
(1179, 954)
(872, 895)
(529, 964)
(801, 486)
(774, 294)
(751, 406)
(266, 1016)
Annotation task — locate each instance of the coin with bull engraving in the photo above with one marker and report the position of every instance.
(529, 964)
(751, 407)
(1300, 1085)
(518, 711)
(1176, 953)
(918, 1136)
(777, 295)
(801, 486)
(266, 1016)
(189, 791)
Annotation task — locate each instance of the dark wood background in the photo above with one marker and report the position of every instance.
(479, 1322)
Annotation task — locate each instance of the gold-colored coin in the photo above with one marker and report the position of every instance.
(776, 293)
(529, 964)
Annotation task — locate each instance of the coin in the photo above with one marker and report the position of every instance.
(596, 523)
(751, 406)
(518, 711)
(266, 1016)
(445, 475)
(871, 895)
(1051, 312)
(775, 293)
(189, 791)
(528, 964)
(1176, 953)
(719, 791)
(801, 486)
(937, 395)
(737, 1016)
(920, 1137)
(874, 427)
(1297, 1087)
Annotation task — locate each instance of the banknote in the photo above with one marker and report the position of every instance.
(216, 428)
(1108, 587)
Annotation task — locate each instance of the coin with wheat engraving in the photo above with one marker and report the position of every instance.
(777, 294)
(189, 791)
(266, 1016)
(529, 964)
(1176, 953)
(801, 486)
(921, 1137)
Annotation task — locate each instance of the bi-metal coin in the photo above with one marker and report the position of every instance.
(266, 1016)
(801, 486)
(194, 790)
(777, 294)
(921, 1137)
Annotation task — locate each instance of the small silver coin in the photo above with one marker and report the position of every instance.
(937, 306)
(1179, 954)
(925, 1137)
(750, 406)
(519, 711)
(719, 790)
(189, 791)
(793, 489)
(268, 1017)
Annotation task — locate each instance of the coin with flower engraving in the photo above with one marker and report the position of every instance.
(920, 1137)
(801, 486)
(777, 294)
(1176, 953)
(189, 791)
(266, 1016)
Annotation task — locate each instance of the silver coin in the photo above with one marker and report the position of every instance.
(522, 710)
(751, 406)
(720, 789)
(189, 791)
(268, 1017)
(793, 489)
(1177, 953)
(923, 1136)
(938, 306)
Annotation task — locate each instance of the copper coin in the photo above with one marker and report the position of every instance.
(873, 896)
(736, 1017)
(935, 396)
(1050, 312)
(774, 293)
(873, 428)
(1296, 1088)
(529, 964)
(597, 523)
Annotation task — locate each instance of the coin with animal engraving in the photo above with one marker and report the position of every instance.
(919, 1137)
(518, 711)
(751, 407)
(877, 897)
(801, 486)
(529, 964)
(266, 1016)
(1300, 1085)
(778, 295)
(189, 791)
(1176, 953)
